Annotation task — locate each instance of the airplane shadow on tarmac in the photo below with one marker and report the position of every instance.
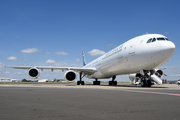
(129, 85)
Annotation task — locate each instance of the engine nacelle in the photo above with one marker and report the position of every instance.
(34, 73)
(70, 76)
(134, 77)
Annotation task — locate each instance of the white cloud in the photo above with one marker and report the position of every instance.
(166, 33)
(96, 52)
(61, 53)
(77, 60)
(60, 64)
(18, 73)
(7, 72)
(30, 50)
(177, 75)
(110, 44)
(1, 64)
(56, 63)
(50, 61)
(12, 58)
(48, 52)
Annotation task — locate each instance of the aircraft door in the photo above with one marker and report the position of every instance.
(132, 47)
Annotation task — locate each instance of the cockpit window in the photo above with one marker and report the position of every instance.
(160, 38)
(154, 39)
(167, 39)
(149, 40)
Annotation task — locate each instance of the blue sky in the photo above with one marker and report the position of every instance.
(54, 32)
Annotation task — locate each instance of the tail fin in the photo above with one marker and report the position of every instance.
(84, 61)
(3, 64)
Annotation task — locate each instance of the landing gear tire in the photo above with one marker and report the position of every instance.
(96, 82)
(143, 83)
(80, 82)
(148, 83)
(115, 82)
(112, 82)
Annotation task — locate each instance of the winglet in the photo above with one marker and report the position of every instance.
(84, 61)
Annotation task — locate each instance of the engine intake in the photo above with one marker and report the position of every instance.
(159, 73)
(34, 73)
(70, 76)
(133, 77)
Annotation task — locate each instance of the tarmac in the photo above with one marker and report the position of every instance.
(89, 102)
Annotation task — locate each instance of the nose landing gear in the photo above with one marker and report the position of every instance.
(145, 79)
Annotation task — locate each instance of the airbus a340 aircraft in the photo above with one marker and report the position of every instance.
(140, 57)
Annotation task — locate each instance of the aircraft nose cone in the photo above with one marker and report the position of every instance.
(171, 46)
(168, 49)
(168, 45)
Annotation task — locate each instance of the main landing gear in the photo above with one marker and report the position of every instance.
(80, 82)
(113, 82)
(96, 82)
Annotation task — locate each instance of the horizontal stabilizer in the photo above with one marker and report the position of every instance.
(156, 79)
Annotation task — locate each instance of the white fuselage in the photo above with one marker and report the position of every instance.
(133, 56)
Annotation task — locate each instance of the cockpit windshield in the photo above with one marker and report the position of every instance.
(158, 39)
(154, 39)
(167, 39)
(149, 40)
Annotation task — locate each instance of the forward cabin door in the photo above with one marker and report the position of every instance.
(131, 57)
(132, 46)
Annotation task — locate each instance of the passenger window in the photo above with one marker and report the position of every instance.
(149, 40)
(154, 39)
(160, 39)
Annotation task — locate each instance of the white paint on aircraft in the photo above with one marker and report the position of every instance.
(142, 53)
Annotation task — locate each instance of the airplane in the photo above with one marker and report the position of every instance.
(139, 57)
(178, 82)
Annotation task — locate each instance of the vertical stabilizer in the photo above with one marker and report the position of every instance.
(84, 61)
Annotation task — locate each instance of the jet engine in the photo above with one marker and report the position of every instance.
(34, 73)
(159, 73)
(70, 76)
(132, 77)
(135, 78)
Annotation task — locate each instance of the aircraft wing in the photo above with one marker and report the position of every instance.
(177, 75)
(77, 69)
